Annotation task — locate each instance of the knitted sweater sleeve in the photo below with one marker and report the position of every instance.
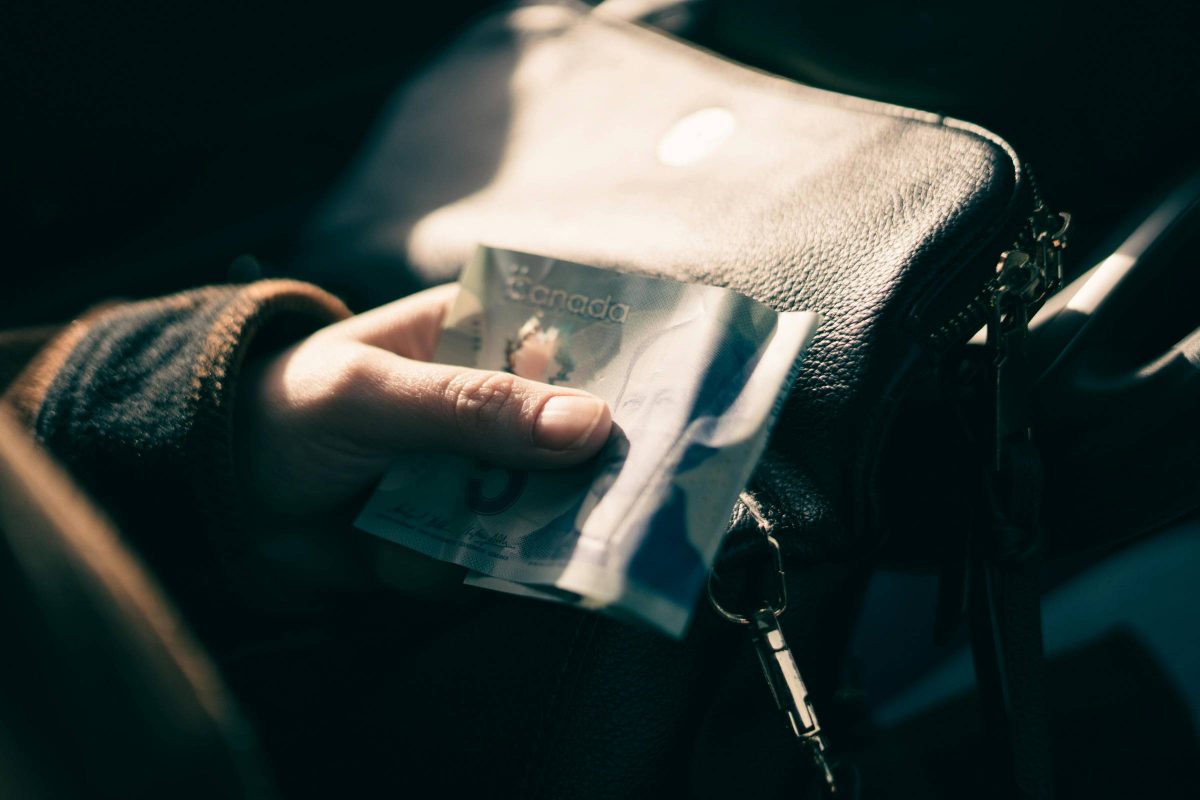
(137, 399)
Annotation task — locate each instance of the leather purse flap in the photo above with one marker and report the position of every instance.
(553, 130)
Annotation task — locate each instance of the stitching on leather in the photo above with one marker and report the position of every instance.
(756, 512)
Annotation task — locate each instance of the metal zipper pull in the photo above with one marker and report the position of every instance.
(1007, 332)
(1025, 277)
(1003, 598)
(1041, 241)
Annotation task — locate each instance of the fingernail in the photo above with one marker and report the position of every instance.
(566, 422)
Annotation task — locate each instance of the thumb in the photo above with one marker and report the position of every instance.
(496, 416)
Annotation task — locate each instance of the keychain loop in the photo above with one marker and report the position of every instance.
(777, 608)
(779, 665)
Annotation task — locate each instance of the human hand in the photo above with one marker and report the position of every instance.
(320, 422)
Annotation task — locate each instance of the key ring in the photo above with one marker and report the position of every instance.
(776, 608)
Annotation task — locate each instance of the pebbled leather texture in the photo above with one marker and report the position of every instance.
(541, 129)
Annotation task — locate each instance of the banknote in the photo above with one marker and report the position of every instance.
(694, 376)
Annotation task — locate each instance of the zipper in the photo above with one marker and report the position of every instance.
(1026, 274)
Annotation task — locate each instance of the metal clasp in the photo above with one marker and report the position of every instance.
(780, 593)
(779, 664)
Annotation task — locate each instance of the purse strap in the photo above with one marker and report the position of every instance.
(1004, 593)
(1004, 619)
(999, 587)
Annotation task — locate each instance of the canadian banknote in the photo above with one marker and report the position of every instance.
(694, 376)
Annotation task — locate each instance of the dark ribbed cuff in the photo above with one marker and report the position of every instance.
(137, 399)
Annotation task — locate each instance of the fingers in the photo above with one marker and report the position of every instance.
(389, 398)
(403, 404)
(408, 327)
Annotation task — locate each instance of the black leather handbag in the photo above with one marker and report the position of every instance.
(557, 130)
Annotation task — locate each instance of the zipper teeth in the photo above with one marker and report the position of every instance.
(970, 319)
(975, 313)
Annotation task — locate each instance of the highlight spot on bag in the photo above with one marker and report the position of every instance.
(696, 136)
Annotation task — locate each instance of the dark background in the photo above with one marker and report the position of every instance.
(145, 144)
